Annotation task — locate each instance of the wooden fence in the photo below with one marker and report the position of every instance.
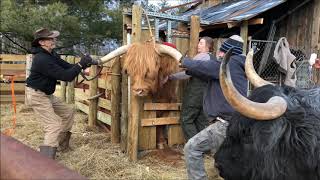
(99, 97)
(12, 65)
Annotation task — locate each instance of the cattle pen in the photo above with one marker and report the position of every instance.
(108, 98)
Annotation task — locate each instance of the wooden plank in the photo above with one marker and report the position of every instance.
(80, 95)
(8, 98)
(101, 83)
(148, 135)
(135, 102)
(194, 35)
(104, 103)
(115, 101)
(161, 106)
(83, 96)
(159, 121)
(93, 103)
(175, 135)
(12, 69)
(244, 35)
(101, 116)
(17, 87)
(12, 57)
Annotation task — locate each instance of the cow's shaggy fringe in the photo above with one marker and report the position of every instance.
(143, 61)
(287, 148)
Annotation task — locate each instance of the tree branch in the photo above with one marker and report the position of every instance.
(26, 50)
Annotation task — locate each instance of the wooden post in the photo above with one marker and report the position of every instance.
(63, 85)
(315, 39)
(194, 35)
(183, 46)
(244, 35)
(124, 91)
(115, 101)
(70, 87)
(28, 68)
(93, 103)
(135, 101)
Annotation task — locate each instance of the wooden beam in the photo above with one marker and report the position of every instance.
(93, 103)
(255, 21)
(315, 39)
(161, 106)
(250, 22)
(135, 101)
(244, 35)
(115, 101)
(194, 35)
(159, 121)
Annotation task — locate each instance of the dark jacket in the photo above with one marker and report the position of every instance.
(214, 102)
(47, 68)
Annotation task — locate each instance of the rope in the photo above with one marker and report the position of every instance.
(150, 31)
(10, 131)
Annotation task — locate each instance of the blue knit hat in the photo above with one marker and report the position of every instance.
(235, 42)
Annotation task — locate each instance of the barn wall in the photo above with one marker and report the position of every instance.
(297, 27)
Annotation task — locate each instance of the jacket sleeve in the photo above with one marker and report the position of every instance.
(179, 76)
(205, 70)
(56, 71)
(61, 62)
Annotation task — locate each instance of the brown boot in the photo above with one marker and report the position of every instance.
(48, 151)
(64, 142)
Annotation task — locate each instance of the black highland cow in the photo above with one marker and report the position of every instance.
(281, 141)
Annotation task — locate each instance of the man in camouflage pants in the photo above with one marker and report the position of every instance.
(215, 105)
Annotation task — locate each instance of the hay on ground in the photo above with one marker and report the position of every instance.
(93, 155)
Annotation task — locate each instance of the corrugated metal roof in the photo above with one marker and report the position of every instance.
(234, 11)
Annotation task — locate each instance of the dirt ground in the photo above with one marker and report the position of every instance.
(95, 157)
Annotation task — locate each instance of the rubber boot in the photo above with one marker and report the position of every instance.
(48, 151)
(64, 142)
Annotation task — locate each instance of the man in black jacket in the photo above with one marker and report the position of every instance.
(47, 67)
(215, 106)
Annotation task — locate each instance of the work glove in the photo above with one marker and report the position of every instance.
(85, 61)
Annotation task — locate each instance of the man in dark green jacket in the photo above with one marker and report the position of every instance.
(47, 67)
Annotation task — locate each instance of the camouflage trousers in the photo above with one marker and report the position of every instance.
(209, 139)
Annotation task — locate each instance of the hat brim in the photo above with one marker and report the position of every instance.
(53, 34)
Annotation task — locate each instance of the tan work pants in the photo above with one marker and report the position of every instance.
(55, 115)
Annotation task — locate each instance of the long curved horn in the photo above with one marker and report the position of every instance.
(164, 49)
(251, 73)
(272, 109)
(121, 50)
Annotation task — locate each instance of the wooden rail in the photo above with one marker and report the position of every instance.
(11, 65)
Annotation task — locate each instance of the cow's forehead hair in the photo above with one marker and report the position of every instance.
(307, 98)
